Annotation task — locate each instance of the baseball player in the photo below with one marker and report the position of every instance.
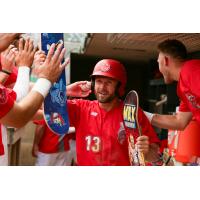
(174, 67)
(100, 134)
(26, 108)
(51, 149)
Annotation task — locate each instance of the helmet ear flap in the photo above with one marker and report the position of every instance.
(117, 89)
(92, 84)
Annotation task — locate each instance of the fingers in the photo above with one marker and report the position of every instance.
(26, 46)
(50, 53)
(11, 55)
(142, 138)
(65, 63)
(85, 94)
(143, 144)
(14, 50)
(81, 82)
(31, 47)
(57, 52)
(21, 44)
(40, 52)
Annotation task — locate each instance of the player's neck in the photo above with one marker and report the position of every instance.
(176, 70)
(109, 106)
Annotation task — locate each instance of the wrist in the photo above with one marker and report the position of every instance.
(6, 72)
(23, 70)
(149, 116)
(42, 86)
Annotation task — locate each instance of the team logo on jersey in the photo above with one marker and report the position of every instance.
(94, 114)
(3, 95)
(192, 99)
(121, 134)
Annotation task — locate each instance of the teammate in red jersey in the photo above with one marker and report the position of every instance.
(18, 114)
(100, 134)
(48, 73)
(174, 67)
(58, 150)
(51, 149)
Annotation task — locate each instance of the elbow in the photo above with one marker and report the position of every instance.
(182, 126)
(19, 123)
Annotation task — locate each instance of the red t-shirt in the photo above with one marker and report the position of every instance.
(7, 99)
(51, 142)
(100, 135)
(188, 88)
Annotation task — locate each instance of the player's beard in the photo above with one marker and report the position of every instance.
(106, 98)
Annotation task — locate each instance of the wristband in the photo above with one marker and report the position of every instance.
(6, 72)
(149, 116)
(42, 86)
(22, 84)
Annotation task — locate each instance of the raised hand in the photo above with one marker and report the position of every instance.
(8, 58)
(26, 53)
(51, 68)
(39, 58)
(79, 89)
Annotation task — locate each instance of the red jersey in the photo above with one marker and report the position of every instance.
(100, 135)
(188, 88)
(51, 142)
(7, 99)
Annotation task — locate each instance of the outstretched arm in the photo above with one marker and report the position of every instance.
(174, 122)
(48, 73)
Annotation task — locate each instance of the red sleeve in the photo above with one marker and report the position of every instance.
(183, 107)
(39, 122)
(7, 99)
(147, 129)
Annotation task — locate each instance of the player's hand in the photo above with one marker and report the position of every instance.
(79, 89)
(142, 144)
(35, 150)
(52, 67)
(39, 58)
(26, 53)
(8, 58)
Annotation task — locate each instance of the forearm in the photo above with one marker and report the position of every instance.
(23, 111)
(38, 134)
(22, 84)
(153, 153)
(169, 122)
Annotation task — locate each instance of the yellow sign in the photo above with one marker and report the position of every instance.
(129, 115)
